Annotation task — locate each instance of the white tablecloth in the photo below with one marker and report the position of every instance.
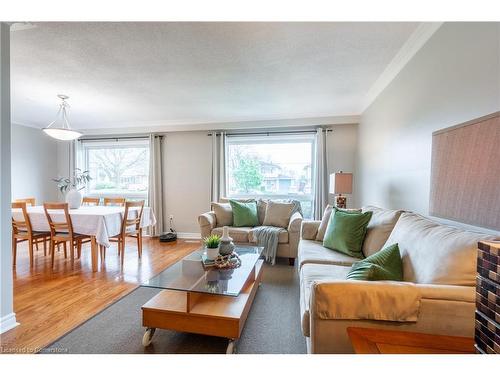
(102, 222)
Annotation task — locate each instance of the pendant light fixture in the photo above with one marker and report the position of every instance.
(59, 128)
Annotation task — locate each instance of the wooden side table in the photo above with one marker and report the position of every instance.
(380, 341)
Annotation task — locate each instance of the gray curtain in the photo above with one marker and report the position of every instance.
(155, 192)
(218, 187)
(320, 177)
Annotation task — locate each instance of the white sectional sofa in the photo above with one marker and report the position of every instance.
(437, 295)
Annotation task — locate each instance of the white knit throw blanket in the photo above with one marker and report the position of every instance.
(268, 236)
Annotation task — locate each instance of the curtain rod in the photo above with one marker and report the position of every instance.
(270, 132)
(115, 138)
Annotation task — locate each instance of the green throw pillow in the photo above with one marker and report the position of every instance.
(346, 232)
(383, 265)
(244, 214)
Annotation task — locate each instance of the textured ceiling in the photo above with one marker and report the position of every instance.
(138, 74)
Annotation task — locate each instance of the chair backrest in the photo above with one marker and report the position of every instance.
(136, 220)
(25, 224)
(59, 226)
(89, 201)
(114, 202)
(30, 201)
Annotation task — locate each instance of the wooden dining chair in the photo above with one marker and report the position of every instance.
(22, 231)
(62, 232)
(30, 201)
(131, 227)
(114, 202)
(89, 201)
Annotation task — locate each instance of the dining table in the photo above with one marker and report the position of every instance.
(99, 222)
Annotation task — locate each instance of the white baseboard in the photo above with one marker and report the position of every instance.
(189, 236)
(8, 322)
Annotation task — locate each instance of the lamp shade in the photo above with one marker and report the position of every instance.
(341, 183)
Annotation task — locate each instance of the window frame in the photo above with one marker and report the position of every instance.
(269, 138)
(83, 147)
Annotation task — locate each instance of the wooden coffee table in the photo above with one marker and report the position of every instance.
(201, 300)
(381, 341)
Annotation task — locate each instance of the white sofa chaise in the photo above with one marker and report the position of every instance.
(437, 295)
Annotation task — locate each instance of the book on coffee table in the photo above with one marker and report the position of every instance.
(207, 262)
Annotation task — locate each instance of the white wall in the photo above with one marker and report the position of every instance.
(455, 77)
(7, 315)
(187, 160)
(342, 151)
(34, 164)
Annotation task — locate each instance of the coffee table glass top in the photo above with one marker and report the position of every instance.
(190, 275)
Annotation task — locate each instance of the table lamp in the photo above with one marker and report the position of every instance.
(340, 183)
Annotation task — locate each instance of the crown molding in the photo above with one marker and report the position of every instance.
(26, 125)
(261, 124)
(414, 43)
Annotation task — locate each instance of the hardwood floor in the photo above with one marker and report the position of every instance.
(50, 303)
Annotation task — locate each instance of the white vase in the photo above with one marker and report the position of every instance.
(74, 198)
(212, 253)
(226, 246)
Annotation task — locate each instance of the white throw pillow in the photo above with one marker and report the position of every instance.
(278, 214)
(379, 228)
(223, 214)
(261, 210)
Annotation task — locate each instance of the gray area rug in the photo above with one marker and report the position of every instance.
(273, 325)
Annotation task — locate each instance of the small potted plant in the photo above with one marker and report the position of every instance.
(212, 243)
(73, 185)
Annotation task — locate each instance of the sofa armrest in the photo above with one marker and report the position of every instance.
(309, 229)
(295, 223)
(207, 222)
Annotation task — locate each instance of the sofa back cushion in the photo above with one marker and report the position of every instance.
(379, 228)
(434, 253)
(223, 214)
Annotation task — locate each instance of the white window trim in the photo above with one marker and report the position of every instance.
(82, 163)
(270, 138)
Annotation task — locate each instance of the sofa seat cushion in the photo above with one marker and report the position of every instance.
(238, 234)
(435, 253)
(282, 238)
(314, 252)
(310, 273)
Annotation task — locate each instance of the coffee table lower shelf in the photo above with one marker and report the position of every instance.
(202, 313)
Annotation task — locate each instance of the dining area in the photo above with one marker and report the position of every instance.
(55, 230)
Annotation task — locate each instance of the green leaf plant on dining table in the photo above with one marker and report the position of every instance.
(72, 186)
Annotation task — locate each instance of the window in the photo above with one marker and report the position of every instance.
(118, 167)
(277, 167)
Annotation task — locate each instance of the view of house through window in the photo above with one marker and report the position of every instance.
(118, 167)
(276, 167)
